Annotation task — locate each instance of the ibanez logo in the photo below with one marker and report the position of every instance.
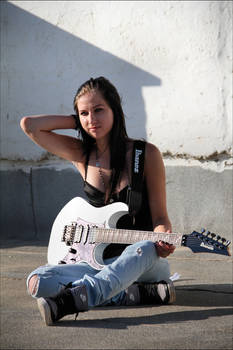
(138, 152)
(207, 246)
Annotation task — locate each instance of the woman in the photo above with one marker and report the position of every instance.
(103, 156)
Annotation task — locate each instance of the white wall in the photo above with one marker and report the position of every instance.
(170, 60)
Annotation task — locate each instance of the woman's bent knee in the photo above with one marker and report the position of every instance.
(146, 247)
(142, 248)
(33, 285)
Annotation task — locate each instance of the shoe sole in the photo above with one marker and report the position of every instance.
(164, 289)
(45, 311)
(172, 293)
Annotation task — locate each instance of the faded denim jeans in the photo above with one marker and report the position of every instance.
(139, 262)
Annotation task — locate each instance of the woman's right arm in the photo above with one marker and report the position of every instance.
(40, 128)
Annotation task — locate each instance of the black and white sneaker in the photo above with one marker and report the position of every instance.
(157, 293)
(67, 301)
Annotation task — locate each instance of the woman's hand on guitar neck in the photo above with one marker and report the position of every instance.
(164, 249)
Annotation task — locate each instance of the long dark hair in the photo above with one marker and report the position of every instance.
(118, 136)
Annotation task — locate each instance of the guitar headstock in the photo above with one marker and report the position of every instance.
(206, 242)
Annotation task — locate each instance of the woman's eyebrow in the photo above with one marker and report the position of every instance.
(95, 106)
(99, 105)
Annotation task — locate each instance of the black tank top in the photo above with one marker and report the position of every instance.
(141, 221)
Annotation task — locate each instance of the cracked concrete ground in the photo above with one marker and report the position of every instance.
(201, 317)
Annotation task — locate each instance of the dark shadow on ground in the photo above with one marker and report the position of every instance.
(125, 322)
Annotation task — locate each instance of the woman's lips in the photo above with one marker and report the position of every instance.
(94, 128)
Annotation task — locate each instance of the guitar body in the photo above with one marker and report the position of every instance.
(82, 213)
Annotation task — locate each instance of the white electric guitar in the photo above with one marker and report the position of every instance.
(82, 232)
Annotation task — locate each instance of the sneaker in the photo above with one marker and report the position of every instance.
(132, 296)
(67, 301)
(157, 293)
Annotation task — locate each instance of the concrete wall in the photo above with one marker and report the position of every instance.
(171, 62)
(32, 196)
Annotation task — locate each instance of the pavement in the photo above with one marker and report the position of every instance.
(201, 317)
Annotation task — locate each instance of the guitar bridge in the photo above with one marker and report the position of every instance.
(69, 233)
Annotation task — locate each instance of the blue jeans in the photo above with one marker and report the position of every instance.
(139, 262)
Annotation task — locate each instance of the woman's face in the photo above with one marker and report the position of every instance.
(95, 115)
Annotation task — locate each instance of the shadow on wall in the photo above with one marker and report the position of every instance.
(46, 65)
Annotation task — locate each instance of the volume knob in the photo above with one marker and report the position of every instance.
(72, 250)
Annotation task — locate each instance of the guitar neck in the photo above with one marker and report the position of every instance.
(109, 235)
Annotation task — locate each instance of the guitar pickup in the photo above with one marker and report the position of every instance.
(78, 234)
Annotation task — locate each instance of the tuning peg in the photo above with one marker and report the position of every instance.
(196, 234)
(218, 237)
(213, 235)
(202, 230)
(225, 242)
(207, 233)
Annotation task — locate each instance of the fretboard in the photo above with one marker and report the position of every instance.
(111, 235)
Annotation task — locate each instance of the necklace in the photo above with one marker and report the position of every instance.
(97, 163)
(97, 156)
(107, 190)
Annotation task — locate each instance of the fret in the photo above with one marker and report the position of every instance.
(138, 236)
(132, 236)
(112, 235)
(121, 237)
(126, 238)
(144, 235)
(151, 236)
(129, 236)
(117, 237)
(108, 235)
(105, 236)
(98, 236)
